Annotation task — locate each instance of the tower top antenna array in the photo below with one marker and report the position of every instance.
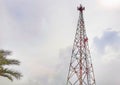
(81, 8)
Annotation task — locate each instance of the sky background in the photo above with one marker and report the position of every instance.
(40, 33)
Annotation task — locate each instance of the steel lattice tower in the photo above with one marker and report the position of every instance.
(81, 68)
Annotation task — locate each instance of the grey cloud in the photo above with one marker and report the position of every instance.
(107, 58)
(31, 21)
(27, 22)
(108, 74)
(24, 11)
(60, 71)
(64, 57)
(108, 38)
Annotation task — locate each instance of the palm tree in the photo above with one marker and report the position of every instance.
(5, 72)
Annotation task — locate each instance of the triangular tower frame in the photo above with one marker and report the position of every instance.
(81, 68)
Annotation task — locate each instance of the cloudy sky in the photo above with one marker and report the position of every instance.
(40, 34)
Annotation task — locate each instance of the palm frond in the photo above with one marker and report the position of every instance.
(8, 76)
(4, 52)
(13, 73)
(5, 72)
(9, 62)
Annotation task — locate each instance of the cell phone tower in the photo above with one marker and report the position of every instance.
(81, 68)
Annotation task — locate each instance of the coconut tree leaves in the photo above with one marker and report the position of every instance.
(6, 72)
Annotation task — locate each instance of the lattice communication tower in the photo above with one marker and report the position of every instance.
(81, 68)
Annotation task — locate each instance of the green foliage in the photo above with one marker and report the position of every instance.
(5, 72)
